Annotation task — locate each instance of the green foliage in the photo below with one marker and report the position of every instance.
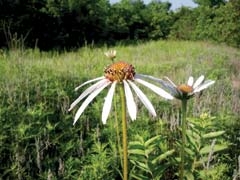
(202, 145)
(149, 158)
(99, 164)
(216, 173)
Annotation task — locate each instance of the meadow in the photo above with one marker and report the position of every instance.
(38, 139)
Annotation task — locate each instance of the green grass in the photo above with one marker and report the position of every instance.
(36, 89)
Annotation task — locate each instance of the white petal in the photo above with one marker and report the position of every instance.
(198, 81)
(141, 76)
(108, 103)
(173, 90)
(155, 89)
(190, 81)
(87, 82)
(169, 85)
(143, 98)
(172, 83)
(204, 86)
(88, 100)
(87, 92)
(131, 105)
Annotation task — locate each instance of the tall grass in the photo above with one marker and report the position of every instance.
(38, 141)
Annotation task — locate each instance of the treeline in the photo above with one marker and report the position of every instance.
(49, 24)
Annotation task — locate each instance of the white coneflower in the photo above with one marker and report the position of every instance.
(123, 73)
(186, 90)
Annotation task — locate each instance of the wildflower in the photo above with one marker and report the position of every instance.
(187, 90)
(111, 54)
(184, 92)
(119, 73)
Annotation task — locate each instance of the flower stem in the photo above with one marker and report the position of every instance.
(184, 124)
(117, 129)
(124, 133)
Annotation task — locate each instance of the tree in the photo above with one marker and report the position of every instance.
(160, 19)
(210, 3)
(184, 24)
(79, 21)
(227, 23)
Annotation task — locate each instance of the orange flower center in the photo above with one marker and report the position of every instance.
(119, 71)
(185, 88)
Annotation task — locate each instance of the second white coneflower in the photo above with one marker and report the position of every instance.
(187, 90)
(184, 92)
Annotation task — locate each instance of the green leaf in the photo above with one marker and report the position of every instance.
(149, 150)
(216, 148)
(163, 156)
(189, 175)
(136, 152)
(135, 143)
(142, 166)
(189, 151)
(194, 141)
(149, 141)
(213, 134)
(139, 177)
(200, 162)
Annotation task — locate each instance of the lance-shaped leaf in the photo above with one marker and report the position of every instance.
(163, 156)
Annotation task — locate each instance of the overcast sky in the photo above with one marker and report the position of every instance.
(175, 3)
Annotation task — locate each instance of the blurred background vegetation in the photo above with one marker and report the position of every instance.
(62, 24)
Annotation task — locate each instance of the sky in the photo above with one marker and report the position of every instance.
(175, 3)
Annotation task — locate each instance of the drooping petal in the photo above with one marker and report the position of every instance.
(131, 105)
(87, 92)
(169, 85)
(204, 86)
(170, 81)
(90, 81)
(143, 98)
(108, 103)
(172, 89)
(198, 81)
(141, 76)
(88, 100)
(155, 89)
(190, 81)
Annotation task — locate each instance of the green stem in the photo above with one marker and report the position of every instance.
(124, 133)
(117, 129)
(184, 124)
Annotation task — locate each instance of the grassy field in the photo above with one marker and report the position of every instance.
(38, 140)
